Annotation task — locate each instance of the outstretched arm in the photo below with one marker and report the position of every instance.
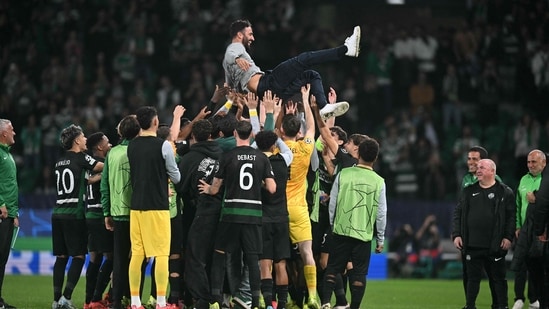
(329, 140)
(178, 112)
(309, 118)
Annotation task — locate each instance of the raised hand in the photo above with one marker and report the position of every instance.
(178, 111)
(305, 90)
(251, 100)
(269, 101)
(220, 93)
(332, 96)
(313, 104)
(290, 108)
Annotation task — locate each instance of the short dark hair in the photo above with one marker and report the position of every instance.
(243, 129)
(265, 140)
(368, 150)
(145, 116)
(227, 124)
(341, 134)
(163, 131)
(357, 139)
(291, 125)
(237, 26)
(94, 140)
(128, 128)
(481, 150)
(202, 130)
(68, 135)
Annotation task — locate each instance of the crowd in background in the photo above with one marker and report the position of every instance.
(426, 88)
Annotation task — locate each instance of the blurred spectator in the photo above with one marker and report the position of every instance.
(426, 127)
(32, 162)
(167, 97)
(540, 69)
(422, 97)
(451, 105)
(51, 125)
(379, 63)
(428, 243)
(54, 78)
(489, 95)
(142, 47)
(404, 68)
(124, 65)
(460, 150)
(91, 115)
(31, 139)
(11, 80)
(526, 137)
(425, 47)
(101, 36)
(73, 47)
(404, 246)
(25, 98)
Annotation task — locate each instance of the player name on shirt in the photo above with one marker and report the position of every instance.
(245, 157)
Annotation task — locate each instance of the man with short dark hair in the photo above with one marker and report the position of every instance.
(100, 240)
(286, 79)
(275, 228)
(152, 162)
(116, 193)
(242, 170)
(358, 213)
(200, 163)
(68, 226)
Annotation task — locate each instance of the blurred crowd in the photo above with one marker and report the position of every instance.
(426, 88)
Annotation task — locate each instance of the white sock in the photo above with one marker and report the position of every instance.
(161, 301)
(136, 301)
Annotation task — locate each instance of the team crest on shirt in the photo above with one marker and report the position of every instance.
(90, 159)
(308, 140)
(491, 195)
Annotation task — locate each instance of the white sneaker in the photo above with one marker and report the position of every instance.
(518, 304)
(534, 305)
(54, 305)
(64, 303)
(326, 306)
(353, 43)
(334, 110)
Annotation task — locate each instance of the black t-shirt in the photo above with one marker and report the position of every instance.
(275, 208)
(71, 183)
(481, 216)
(243, 170)
(343, 159)
(94, 209)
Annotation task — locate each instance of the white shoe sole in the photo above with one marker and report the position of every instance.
(340, 109)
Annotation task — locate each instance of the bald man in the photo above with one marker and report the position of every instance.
(483, 228)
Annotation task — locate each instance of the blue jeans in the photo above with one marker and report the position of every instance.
(287, 78)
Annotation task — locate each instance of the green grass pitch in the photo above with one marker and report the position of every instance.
(35, 292)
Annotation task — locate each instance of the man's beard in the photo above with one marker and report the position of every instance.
(247, 45)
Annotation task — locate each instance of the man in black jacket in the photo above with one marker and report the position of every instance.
(483, 228)
(200, 163)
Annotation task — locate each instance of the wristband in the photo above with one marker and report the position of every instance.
(228, 104)
(253, 112)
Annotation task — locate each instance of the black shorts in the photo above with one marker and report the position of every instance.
(177, 235)
(275, 241)
(69, 236)
(99, 238)
(232, 237)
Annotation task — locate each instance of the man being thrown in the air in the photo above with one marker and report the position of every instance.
(287, 78)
